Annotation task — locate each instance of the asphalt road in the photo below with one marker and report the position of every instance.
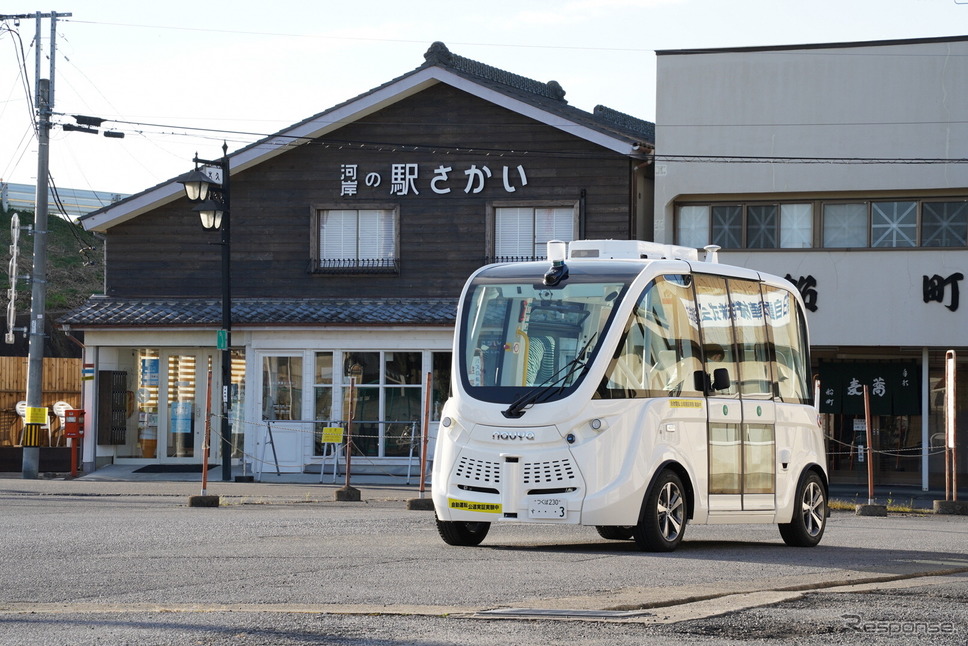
(143, 569)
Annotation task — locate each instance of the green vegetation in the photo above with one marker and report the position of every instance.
(75, 262)
(895, 507)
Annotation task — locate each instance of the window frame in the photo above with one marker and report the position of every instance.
(491, 254)
(921, 242)
(874, 239)
(845, 203)
(744, 222)
(357, 265)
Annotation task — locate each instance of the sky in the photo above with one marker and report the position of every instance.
(180, 77)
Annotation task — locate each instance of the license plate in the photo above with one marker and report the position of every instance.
(547, 508)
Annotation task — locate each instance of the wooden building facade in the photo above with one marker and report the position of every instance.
(351, 235)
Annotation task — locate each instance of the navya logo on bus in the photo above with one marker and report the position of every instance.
(513, 435)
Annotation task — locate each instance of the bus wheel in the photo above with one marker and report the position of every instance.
(806, 527)
(462, 533)
(614, 532)
(663, 520)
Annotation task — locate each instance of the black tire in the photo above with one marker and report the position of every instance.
(809, 520)
(614, 532)
(663, 520)
(462, 533)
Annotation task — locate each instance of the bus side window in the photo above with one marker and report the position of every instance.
(625, 374)
(716, 319)
(674, 320)
(659, 353)
(791, 355)
(749, 323)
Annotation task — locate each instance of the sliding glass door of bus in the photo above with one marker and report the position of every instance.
(741, 431)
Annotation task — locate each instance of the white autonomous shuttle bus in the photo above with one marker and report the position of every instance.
(632, 387)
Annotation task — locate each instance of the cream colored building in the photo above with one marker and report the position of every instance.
(842, 166)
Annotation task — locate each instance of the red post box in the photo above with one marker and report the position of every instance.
(74, 431)
(74, 423)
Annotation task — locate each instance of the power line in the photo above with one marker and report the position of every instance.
(383, 146)
(771, 159)
(21, 57)
(833, 124)
(363, 39)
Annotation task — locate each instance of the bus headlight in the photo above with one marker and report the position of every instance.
(446, 422)
(597, 424)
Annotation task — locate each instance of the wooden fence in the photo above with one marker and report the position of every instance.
(62, 382)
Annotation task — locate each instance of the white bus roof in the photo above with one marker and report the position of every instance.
(630, 250)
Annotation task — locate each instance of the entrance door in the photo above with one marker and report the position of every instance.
(168, 393)
(287, 429)
(187, 379)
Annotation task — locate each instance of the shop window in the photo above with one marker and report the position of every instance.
(146, 396)
(181, 406)
(402, 402)
(282, 388)
(388, 403)
(522, 233)
(440, 380)
(356, 241)
(323, 398)
(364, 367)
(237, 401)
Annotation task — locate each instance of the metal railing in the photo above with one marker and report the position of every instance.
(407, 437)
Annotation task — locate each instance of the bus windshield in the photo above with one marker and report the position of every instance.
(518, 333)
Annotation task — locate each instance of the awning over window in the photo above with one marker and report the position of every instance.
(894, 387)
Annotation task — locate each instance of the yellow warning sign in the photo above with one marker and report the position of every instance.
(333, 435)
(685, 403)
(35, 415)
(466, 505)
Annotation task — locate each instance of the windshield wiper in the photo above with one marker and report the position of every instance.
(546, 389)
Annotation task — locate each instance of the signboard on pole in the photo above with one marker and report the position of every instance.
(36, 415)
(949, 398)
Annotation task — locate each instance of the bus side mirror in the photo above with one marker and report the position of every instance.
(700, 382)
(720, 379)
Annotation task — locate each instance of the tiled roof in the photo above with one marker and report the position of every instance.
(549, 96)
(100, 311)
(438, 54)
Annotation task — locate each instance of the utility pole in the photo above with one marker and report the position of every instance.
(36, 416)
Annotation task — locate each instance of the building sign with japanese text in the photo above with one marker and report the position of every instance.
(875, 297)
(893, 387)
(440, 179)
